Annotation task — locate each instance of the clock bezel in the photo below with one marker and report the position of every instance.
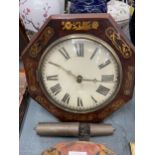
(88, 37)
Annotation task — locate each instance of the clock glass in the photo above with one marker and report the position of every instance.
(80, 73)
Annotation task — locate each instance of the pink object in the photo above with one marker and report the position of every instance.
(79, 148)
(34, 13)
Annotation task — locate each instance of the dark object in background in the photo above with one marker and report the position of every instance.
(132, 28)
(88, 2)
(23, 39)
(88, 6)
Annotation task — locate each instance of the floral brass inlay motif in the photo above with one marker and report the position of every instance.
(117, 104)
(80, 25)
(118, 42)
(41, 99)
(41, 42)
(129, 82)
(28, 63)
(32, 80)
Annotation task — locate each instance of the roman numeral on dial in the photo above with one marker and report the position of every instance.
(66, 98)
(102, 90)
(64, 53)
(94, 53)
(94, 100)
(56, 89)
(52, 77)
(104, 64)
(107, 78)
(79, 49)
(79, 102)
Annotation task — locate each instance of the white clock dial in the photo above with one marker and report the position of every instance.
(80, 73)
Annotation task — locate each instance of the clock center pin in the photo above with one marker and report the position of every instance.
(79, 79)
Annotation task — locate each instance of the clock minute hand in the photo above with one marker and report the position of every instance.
(64, 69)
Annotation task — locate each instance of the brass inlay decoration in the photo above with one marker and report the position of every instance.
(129, 82)
(114, 106)
(117, 104)
(80, 25)
(41, 99)
(31, 77)
(41, 42)
(29, 63)
(118, 42)
(31, 80)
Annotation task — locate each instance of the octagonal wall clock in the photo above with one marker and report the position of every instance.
(80, 67)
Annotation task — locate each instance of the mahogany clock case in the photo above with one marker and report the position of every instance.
(23, 38)
(101, 26)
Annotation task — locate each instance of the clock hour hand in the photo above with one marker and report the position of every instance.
(91, 80)
(96, 80)
(64, 69)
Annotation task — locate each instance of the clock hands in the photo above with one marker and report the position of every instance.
(78, 78)
(64, 69)
(91, 80)
(96, 80)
